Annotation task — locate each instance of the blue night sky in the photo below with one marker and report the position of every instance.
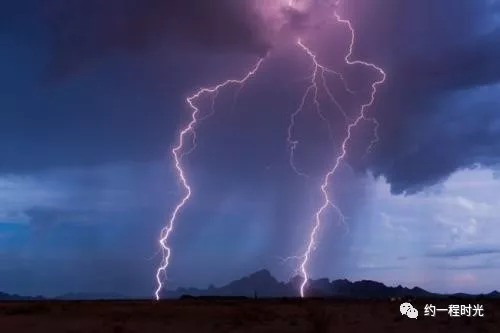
(92, 96)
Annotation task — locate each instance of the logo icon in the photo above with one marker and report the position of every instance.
(408, 310)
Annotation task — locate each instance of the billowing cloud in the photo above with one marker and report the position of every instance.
(433, 236)
(439, 108)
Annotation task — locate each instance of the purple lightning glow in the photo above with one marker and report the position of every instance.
(343, 148)
(178, 153)
(318, 81)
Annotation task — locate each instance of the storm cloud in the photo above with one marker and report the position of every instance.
(82, 30)
(439, 108)
(93, 94)
(427, 130)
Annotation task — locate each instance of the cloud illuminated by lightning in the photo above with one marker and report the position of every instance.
(343, 148)
(318, 81)
(178, 153)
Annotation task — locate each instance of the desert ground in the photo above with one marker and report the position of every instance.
(193, 315)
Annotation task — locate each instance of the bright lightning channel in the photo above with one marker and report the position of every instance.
(318, 71)
(177, 153)
(343, 151)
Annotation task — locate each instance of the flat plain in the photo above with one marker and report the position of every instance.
(273, 315)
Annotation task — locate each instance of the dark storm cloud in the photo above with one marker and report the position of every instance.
(438, 110)
(85, 29)
(436, 54)
(428, 132)
(90, 82)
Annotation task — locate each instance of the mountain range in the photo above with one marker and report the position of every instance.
(14, 297)
(262, 284)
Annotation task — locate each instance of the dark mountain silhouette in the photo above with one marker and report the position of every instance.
(263, 285)
(14, 297)
(260, 283)
(69, 296)
(493, 294)
(90, 296)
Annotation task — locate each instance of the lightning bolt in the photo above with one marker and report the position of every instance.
(327, 202)
(178, 153)
(318, 80)
(319, 73)
(292, 143)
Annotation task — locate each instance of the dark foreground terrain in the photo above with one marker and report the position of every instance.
(194, 315)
